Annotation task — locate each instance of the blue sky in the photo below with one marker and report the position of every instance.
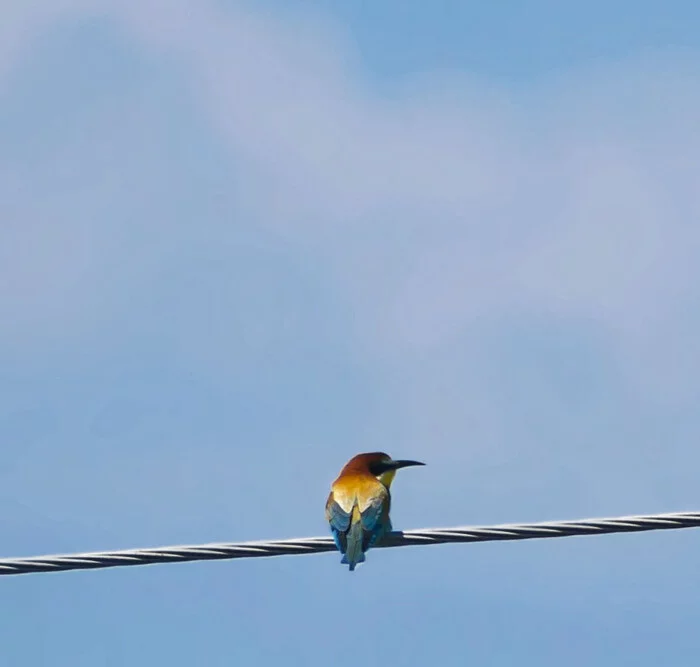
(240, 242)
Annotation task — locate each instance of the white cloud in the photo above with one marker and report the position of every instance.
(24, 23)
(581, 201)
(444, 205)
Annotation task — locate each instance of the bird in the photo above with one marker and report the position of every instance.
(358, 505)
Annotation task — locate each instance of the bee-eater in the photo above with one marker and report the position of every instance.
(359, 502)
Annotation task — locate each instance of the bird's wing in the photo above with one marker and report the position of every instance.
(339, 521)
(372, 513)
(337, 517)
(375, 518)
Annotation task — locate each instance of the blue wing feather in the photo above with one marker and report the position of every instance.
(339, 521)
(338, 517)
(372, 514)
(373, 523)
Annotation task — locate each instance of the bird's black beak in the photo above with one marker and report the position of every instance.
(405, 464)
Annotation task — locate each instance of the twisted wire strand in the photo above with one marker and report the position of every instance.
(311, 545)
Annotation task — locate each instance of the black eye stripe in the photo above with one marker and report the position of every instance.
(379, 468)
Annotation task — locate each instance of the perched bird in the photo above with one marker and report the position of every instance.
(358, 505)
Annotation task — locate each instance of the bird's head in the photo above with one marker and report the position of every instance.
(381, 465)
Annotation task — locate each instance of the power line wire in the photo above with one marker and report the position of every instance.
(311, 545)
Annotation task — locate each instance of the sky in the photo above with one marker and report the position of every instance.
(242, 241)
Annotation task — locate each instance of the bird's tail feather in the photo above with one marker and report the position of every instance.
(354, 554)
